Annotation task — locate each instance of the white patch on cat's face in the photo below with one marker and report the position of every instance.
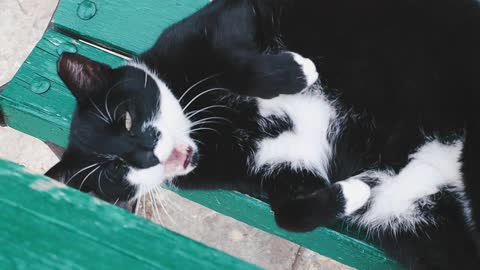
(307, 145)
(174, 144)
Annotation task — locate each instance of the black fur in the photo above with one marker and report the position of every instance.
(400, 70)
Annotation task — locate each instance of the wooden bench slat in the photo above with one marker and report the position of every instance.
(47, 115)
(46, 225)
(125, 25)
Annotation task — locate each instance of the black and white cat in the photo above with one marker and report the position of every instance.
(385, 139)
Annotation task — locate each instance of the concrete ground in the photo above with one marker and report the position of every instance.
(22, 23)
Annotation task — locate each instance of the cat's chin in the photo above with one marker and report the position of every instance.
(146, 180)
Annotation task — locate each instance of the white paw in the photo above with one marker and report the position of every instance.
(308, 67)
(356, 194)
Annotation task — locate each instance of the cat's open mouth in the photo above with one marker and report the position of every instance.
(181, 159)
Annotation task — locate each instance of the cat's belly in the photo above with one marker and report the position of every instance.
(308, 144)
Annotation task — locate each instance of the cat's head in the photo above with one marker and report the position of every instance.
(128, 133)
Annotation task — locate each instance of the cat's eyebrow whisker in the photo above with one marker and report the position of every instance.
(203, 93)
(197, 83)
(108, 94)
(86, 177)
(98, 109)
(83, 169)
(99, 117)
(106, 103)
(193, 113)
(116, 108)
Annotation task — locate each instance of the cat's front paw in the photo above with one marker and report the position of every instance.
(268, 76)
(310, 74)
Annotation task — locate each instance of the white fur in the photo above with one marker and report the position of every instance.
(309, 69)
(393, 204)
(306, 146)
(174, 127)
(146, 179)
(356, 194)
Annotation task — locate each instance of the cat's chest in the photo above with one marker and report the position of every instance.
(307, 144)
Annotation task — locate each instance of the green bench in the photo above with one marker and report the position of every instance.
(36, 102)
(45, 225)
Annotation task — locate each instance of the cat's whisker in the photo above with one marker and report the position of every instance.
(210, 118)
(205, 128)
(203, 93)
(116, 108)
(146, 80)
(193, 113)
(116, 201)
(86, 177)
(197, 141)
(157, 191)
(208, 122)
(98, 109)
(155, 208)
(195, 84)
(99, 182)
(80, 171)
(99, 117)
(143, 198)
(106, 103)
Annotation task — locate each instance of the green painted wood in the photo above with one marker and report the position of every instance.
(40, 112)
(125, 25)
(45, 225)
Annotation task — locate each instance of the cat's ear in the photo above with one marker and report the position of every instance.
(82, 75)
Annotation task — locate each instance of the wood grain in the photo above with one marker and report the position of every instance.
(125, 25)
(46, 225)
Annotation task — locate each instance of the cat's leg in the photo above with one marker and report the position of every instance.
(268, 75)
(390, 201)
(471, 160)
(401, 202)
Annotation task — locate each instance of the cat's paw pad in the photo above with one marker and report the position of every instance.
(308, 67)
(356, 194)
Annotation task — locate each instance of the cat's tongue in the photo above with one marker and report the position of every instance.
(178, 159)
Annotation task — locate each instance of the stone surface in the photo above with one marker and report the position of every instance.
(22, 23)
(218, 231)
